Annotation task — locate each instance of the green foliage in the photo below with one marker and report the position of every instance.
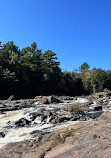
(30, 72)
(98, 78)
(84, 67)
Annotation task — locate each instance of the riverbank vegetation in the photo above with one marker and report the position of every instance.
(31, 72)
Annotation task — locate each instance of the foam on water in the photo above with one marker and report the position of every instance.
(19, 134)
(22, 133)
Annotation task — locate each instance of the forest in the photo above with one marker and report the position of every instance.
(31, 72)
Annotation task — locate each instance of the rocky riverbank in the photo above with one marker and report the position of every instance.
(36, 125)
(81, 140)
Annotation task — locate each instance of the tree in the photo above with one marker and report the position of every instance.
(30, 72)
(98, 78)
(52, 71)
(84, 69)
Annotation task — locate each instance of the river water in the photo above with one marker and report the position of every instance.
(13, 134)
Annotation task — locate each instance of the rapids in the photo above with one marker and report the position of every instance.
(16, 134)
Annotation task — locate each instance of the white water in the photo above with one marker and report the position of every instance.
(22, 133)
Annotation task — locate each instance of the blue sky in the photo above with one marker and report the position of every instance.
(77, 30)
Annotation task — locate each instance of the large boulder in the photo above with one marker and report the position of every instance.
(48, 100)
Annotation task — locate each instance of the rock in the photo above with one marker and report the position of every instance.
(22, 122)
(98, 108)
(86, 143)
(59, 119)
(81, 140)
(11, 98)
(34, 115)
(48, 100)
(47, 113)
(2, 135)
(63, 117)
(38, 97)
(94, 114)
(75, 108)
(55, 100)
(40, 112)
(36, 133)
(43, 100)
(1, 112)
(16, 105)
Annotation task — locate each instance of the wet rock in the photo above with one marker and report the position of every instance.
(43, 118)
(43, 100)
(39, 112)
(55, 100)
(62, 116)
(98, 108)
(16, 105)
(36, 133)
(11, 98)
(46, 101)
(2, 134)
(55, 119)
(22, 122)
(63, 119)
(34, 115)
(94, 114)
(1, 112)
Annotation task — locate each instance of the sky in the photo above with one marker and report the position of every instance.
(76, 30)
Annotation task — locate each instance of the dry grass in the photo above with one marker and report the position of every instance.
(76, 108)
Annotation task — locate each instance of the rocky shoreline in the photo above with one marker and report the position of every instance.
(81, 140)
(32, 127)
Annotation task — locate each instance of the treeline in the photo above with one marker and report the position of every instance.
(30, 72)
